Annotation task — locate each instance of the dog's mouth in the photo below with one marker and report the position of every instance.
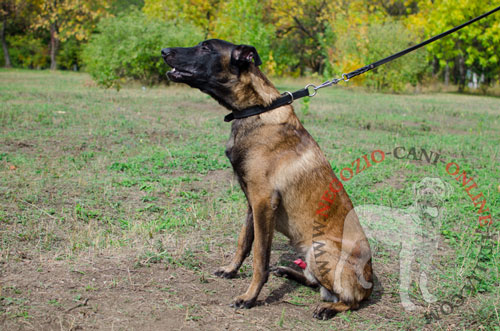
(177, 74)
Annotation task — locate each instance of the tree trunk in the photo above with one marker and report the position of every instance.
(435, 68)
(447, 75)
(6, 55)
(461, 73)
(54, 46)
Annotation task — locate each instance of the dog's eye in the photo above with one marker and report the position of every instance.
(205, 48)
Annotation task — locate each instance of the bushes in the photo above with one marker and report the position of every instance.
(376, 41)
(69, 55)
(384, 40)
(128, 47)
(242, 22)
(27, 51)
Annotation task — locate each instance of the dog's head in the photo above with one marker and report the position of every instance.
(214, 66)
(430, 194)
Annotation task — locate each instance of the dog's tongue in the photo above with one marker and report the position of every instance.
(300, 263)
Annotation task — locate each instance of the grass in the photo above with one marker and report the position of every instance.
(142, 173)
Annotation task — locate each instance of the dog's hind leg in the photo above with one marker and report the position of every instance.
(245, 241)
(295, 275)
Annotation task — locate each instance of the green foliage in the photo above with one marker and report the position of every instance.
(128, 47)
(381, 40)
(199, 13)
(475, 48)
(241, 22)
(27, 51)
(304, 108)
(293, 37)
(119, 6)
(69, 55)
(300, 35)
(384, 40)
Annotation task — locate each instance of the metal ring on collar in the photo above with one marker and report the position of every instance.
(314, 87)
(291, 96)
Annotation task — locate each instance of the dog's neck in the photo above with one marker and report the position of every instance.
(254, 89)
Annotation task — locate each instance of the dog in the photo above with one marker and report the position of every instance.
(283, 174)
(414, 230)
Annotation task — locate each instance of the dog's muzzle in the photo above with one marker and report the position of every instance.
(176, 74)
(166, 52)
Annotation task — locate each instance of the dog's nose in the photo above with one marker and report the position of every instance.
(166, 52)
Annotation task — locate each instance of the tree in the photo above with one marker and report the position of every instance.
(398, 8)
(120, 6)
(475, 48)
(242, 22)
(12, 13)
(6, 10)
(200, 13)
(128, 47)
(309, 28)
(67, 18)
(300, 25)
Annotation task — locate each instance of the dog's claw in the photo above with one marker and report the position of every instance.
(323, 313)
(278, 272)
(241, 303)
(224, 274)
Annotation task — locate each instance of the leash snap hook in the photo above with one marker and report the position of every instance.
(315, 88)
(345, 78)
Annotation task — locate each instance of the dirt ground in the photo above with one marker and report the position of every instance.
(116, 209)
(113, 290)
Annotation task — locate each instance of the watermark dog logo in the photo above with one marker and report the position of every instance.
(416, 229)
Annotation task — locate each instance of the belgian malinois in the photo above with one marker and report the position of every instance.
(284, 175)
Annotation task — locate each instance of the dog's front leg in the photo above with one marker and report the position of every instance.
(263, 222)
(245, 241)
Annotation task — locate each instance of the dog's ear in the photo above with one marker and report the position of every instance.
(244, 54)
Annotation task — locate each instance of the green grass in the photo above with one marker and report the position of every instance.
(86, 168)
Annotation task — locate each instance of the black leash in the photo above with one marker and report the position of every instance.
(289, 97)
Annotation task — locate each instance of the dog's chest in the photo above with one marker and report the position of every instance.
(235, 150)
(236, 156)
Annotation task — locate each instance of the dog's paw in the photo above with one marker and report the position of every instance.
(278, 272)
(242, 302)
(223, 272)
(323, 313)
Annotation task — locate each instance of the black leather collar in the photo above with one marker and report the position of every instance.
(287, 98)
